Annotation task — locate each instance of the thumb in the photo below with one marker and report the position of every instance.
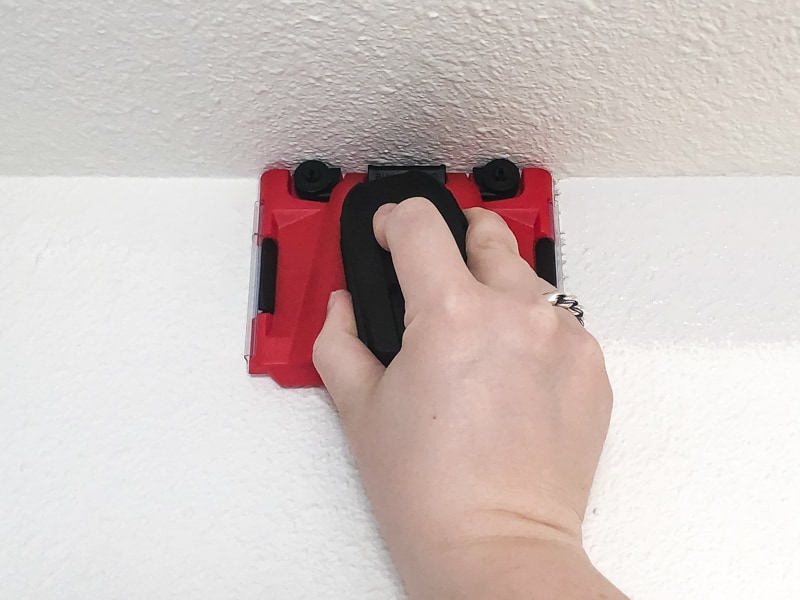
(347, 367)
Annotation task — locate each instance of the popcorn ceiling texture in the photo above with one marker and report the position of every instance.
(178, 88)
(138, 460)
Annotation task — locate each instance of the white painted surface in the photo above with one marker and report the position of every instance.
(693, 287)
(138, 460)
(582, 87)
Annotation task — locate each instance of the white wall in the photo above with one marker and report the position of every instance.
(693, 286)
(583, 87)
(137, 459)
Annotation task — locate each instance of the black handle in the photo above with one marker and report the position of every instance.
(371, 279)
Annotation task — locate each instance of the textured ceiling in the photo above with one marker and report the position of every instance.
(180, 87)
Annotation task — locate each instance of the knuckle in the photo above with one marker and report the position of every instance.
(545, 320)
(458, 306)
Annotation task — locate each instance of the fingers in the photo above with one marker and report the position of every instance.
(347, 367)
(424, 253)
(493, 256)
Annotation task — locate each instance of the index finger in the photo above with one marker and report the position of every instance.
(426, 258)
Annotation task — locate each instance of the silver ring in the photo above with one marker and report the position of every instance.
(571, 303)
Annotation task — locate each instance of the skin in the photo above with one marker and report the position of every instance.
(477, 446)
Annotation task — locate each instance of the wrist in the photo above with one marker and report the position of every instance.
(509, 568)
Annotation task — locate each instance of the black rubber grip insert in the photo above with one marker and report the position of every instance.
(544, 253)
(378, 302)
(375, 172)
(267, 276)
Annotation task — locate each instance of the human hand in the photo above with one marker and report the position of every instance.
(479, 442)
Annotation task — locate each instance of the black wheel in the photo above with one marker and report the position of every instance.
(498, 180)
(314, 180)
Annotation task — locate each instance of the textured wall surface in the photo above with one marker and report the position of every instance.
(583, 87)
(138, 460)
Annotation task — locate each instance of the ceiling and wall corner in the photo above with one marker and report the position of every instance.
(589, 87)
(138, 459)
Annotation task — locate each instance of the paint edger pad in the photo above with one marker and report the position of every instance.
(313, 235)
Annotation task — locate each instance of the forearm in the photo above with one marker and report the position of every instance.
(510, 569)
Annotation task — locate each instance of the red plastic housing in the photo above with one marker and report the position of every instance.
(309, 264)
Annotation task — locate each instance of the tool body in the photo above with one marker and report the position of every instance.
(313, 235)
